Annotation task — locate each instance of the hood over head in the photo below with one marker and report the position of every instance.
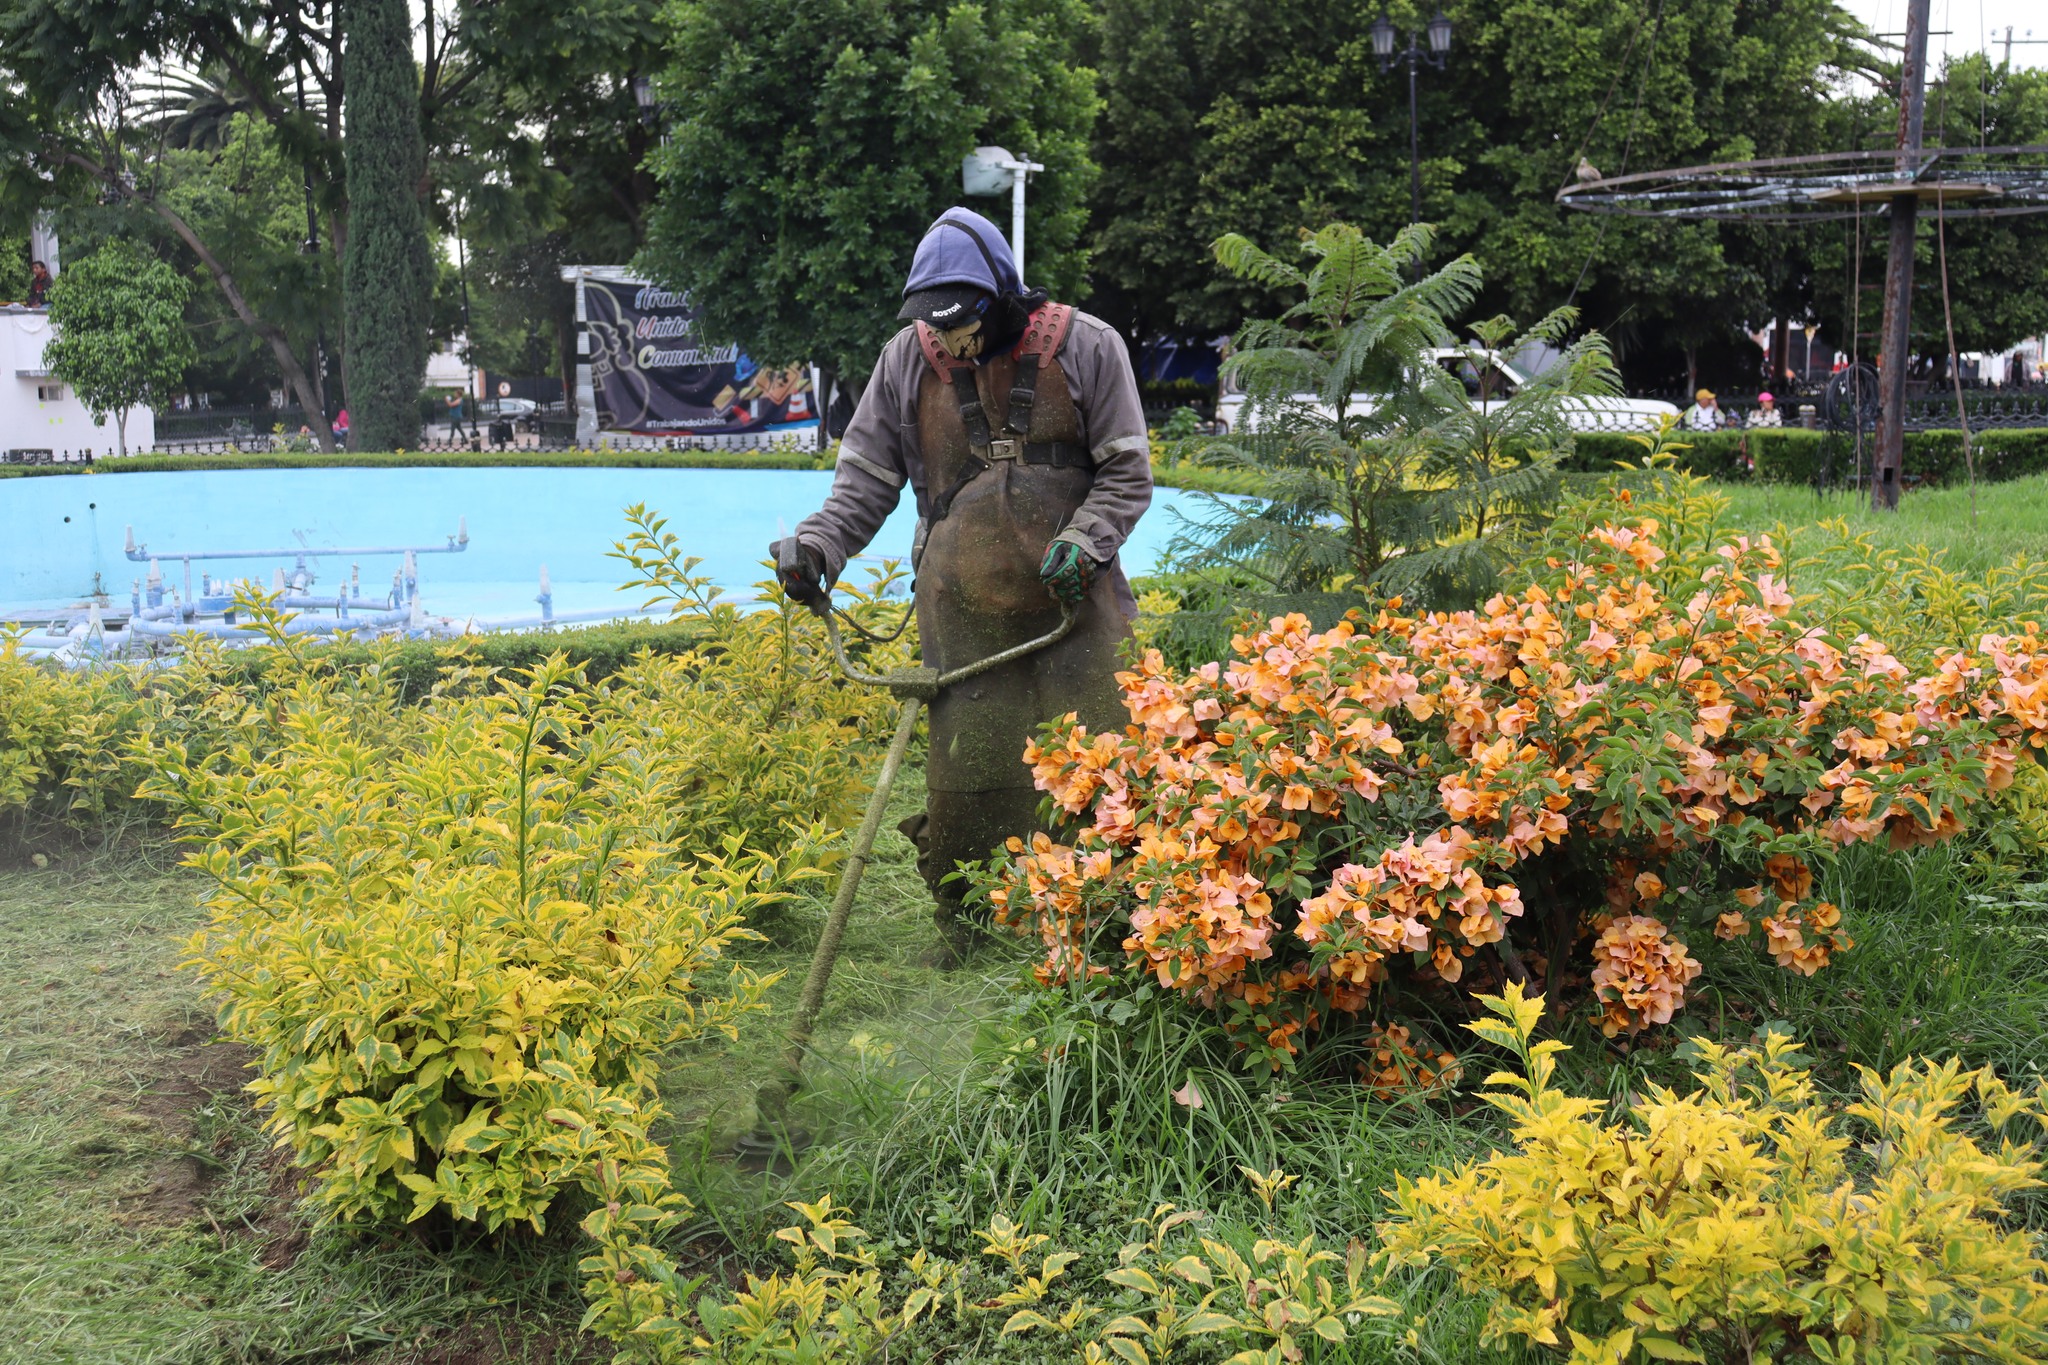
(962, 247)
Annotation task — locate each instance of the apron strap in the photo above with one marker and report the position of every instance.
(1043, 335)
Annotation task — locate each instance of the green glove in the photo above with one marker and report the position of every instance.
(1066, 572)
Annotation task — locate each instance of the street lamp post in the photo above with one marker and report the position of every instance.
(1438, 32)
(991, 170)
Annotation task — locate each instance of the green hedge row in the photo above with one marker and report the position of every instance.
(1794, 456)
(1177, 474)
(490, 459)
(602, 650)
(1784, 456)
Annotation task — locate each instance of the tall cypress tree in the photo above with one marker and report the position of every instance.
(387, 271)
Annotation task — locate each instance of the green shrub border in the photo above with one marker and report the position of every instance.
(1174, 475)
(601, 650)
(1793, 456)
(1788, 456)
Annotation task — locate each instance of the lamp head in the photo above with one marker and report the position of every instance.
(1440, 34)
(1382, 32)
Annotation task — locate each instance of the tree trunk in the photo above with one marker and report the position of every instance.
(280, 345)
(565, 342)
(121, 431)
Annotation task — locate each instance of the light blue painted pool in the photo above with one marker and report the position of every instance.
(58, 534)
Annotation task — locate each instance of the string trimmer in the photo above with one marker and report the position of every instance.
(915, 688)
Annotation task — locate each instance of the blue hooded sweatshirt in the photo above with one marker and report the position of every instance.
(949, 254)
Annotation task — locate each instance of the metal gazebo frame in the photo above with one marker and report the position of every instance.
(1965, 182)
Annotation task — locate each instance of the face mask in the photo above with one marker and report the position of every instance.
(963, 342)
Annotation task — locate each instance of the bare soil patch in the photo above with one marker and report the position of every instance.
(192, 1072)
(514, 1338)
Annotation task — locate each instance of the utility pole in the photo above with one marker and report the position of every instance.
(1889, 459)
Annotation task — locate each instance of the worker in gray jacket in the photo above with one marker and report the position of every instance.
(1015, 424)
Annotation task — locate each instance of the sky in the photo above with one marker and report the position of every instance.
(1973, 24)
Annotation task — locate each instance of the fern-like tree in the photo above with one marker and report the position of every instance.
(387, 271)
(121, 340)
(1378, 471)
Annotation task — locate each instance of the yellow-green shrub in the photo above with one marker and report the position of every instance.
(460, 936)
(64, 734)
(1746, 1221)
(33, 716)
(1170, 1291)
(758, 730)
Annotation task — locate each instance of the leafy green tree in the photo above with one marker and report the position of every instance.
(81, 135)
(387, 275)
(811, 142)
(524, 106)
(1382, 472)
(119, 319)
(241, 195)
(14, 267)
(1270, 117)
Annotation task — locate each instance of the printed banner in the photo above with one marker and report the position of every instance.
(651, 377)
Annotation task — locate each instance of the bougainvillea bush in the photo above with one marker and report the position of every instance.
(1565, 786)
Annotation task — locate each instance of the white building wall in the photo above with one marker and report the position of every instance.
(31, 416)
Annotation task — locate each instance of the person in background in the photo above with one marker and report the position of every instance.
(38, 285)
(1704, 414)
(341, 428)
(1766, 414)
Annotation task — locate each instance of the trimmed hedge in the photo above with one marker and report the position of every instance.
(601, 650)
(440, 459)
(1793, 455)
(1788, 455)
(1175, 474)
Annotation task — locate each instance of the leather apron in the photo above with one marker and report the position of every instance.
(978, 593)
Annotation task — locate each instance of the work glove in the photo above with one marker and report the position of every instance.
(801, 572)
(1066, 571)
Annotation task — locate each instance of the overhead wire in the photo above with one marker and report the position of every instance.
(1628, 142)
(1621, 69)
(1948, 317)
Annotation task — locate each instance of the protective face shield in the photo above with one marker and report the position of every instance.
(965, 341)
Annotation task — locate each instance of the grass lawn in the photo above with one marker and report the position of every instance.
(143, 1217)
(2011, 520)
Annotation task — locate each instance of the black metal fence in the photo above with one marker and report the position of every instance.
(520, 444)
(1987, 408)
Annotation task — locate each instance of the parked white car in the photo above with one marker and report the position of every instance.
(1234, 412)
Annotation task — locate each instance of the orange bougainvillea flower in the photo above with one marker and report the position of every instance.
(1277, 835)
(1639, 974)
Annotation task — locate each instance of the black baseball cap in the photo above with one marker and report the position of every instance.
(945, 306)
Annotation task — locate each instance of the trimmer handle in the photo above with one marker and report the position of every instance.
(789, 572)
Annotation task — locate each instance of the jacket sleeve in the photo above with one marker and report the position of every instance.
(1106, 392)
(873, 466)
